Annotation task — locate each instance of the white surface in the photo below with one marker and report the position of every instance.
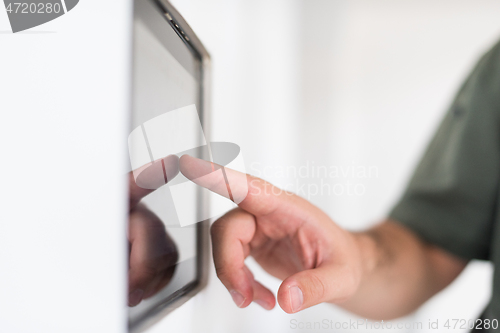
(64, 92)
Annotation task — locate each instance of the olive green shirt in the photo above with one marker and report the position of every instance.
(453, 198)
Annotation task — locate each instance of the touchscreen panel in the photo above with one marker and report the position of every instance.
(165, 124)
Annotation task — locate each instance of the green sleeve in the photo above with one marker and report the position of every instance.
(451, 199)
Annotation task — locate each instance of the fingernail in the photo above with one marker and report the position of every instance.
(237, 298)
(135, 297)
(296, 298)
(264, 304)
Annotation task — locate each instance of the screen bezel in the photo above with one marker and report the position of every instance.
(175, 300)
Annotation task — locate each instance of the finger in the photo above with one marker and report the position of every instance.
(152, 253)
(231, 235)
(252, 194)
(263, 296)
(151, 176)
(327, 283)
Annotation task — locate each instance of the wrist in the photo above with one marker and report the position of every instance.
(369, 252)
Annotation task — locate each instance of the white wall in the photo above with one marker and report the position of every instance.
(64, 89)
(335, 83)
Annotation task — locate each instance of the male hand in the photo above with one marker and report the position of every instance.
(288, 236)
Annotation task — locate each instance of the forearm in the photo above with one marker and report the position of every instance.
(400, 272)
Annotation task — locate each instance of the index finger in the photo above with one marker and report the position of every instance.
(149, 177)
(254, 195)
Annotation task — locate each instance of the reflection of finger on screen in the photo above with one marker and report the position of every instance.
(152, 176)
(227, 182)
(158, 173)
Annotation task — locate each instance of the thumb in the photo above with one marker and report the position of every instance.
(327, 283)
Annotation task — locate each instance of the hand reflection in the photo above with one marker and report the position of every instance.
(153, 253)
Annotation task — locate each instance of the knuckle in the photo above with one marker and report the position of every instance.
(221, 227)
(215, 228)
(317, 288)
(222, 273)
